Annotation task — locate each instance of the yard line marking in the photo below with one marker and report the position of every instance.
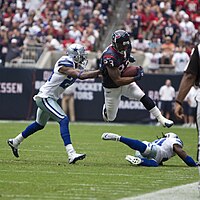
(75, 173)
(183, 192)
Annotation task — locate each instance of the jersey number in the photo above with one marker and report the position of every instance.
(67, 82)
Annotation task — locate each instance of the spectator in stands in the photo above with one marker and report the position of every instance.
(171, 29)
(132, 23)
(3, 44)
(53, 44)
(167, 95)
(13, 54)
(180, 59)
(167, 49)
(67, 102)
(187, 29)
(140, 45)
(196, 40)
(153, 58)
(155, 43)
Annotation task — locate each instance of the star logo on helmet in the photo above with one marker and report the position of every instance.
(75, 49)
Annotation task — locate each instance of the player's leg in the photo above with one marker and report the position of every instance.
(112, 100)
(41, 120)
(55, 112)
(133, 91)
(146, 149)
(141, 161)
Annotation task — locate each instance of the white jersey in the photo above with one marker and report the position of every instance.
(57, 82)
(164, 148)
(167, 93)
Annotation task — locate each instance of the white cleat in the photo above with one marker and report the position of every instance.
(110, 136)
(104, 113)
(75, 157)
(133, 160)
(165, 122)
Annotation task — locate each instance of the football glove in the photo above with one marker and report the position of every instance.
(140, 74)
(131, 59)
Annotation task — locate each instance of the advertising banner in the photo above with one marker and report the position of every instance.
(18, 86)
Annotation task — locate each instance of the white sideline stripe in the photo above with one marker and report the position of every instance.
(92, 123)
(183, 192)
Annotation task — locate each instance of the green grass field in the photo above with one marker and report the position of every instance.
(42, 171)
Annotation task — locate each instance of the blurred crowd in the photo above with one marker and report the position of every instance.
(53, 24)
(164, 31)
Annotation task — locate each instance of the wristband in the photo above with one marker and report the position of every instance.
(177, 101)
(79, 75)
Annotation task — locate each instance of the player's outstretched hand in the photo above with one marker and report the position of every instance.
(178, 111)
(140, 74)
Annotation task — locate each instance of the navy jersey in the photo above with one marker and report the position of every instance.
(116, 59)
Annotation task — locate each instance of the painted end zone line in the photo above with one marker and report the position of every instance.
(184, 192)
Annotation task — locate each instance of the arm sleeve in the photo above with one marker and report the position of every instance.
(190, 162)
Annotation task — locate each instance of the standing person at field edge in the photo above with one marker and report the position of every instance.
(114, 60)
(190, 78)
(167, 95)
(153, 154)
(66, 70)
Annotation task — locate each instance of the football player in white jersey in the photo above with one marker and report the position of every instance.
(67, 69)
(153, 154)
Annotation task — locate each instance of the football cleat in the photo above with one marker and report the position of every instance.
(133, 160)
(75, 157)
(110, 136)
(14, 149)
(165, 122)
(104, 114)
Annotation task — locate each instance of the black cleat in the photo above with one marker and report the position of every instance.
(14, 149)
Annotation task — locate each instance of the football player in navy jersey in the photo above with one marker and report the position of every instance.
(153, 154)
(114, 60)
(67, 69)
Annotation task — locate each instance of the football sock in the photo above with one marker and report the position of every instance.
(148, 163)
(70, 149)
(134, 144)
(17, 140)
(32, 128)
(64, 131)
(155, 112)
(147, 102)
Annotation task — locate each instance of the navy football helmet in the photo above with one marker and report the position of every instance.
(120, 40)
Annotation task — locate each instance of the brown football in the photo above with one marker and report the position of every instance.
(130, 71)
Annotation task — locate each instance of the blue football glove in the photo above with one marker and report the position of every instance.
(140, 74)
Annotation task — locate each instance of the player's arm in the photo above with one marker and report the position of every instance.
(183, 155)
(115, 75)
(80, 74)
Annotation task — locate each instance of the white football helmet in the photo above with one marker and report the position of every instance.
(78, 54)
(171, 135)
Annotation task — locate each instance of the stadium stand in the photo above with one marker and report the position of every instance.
(44, 28)
(50, 25)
